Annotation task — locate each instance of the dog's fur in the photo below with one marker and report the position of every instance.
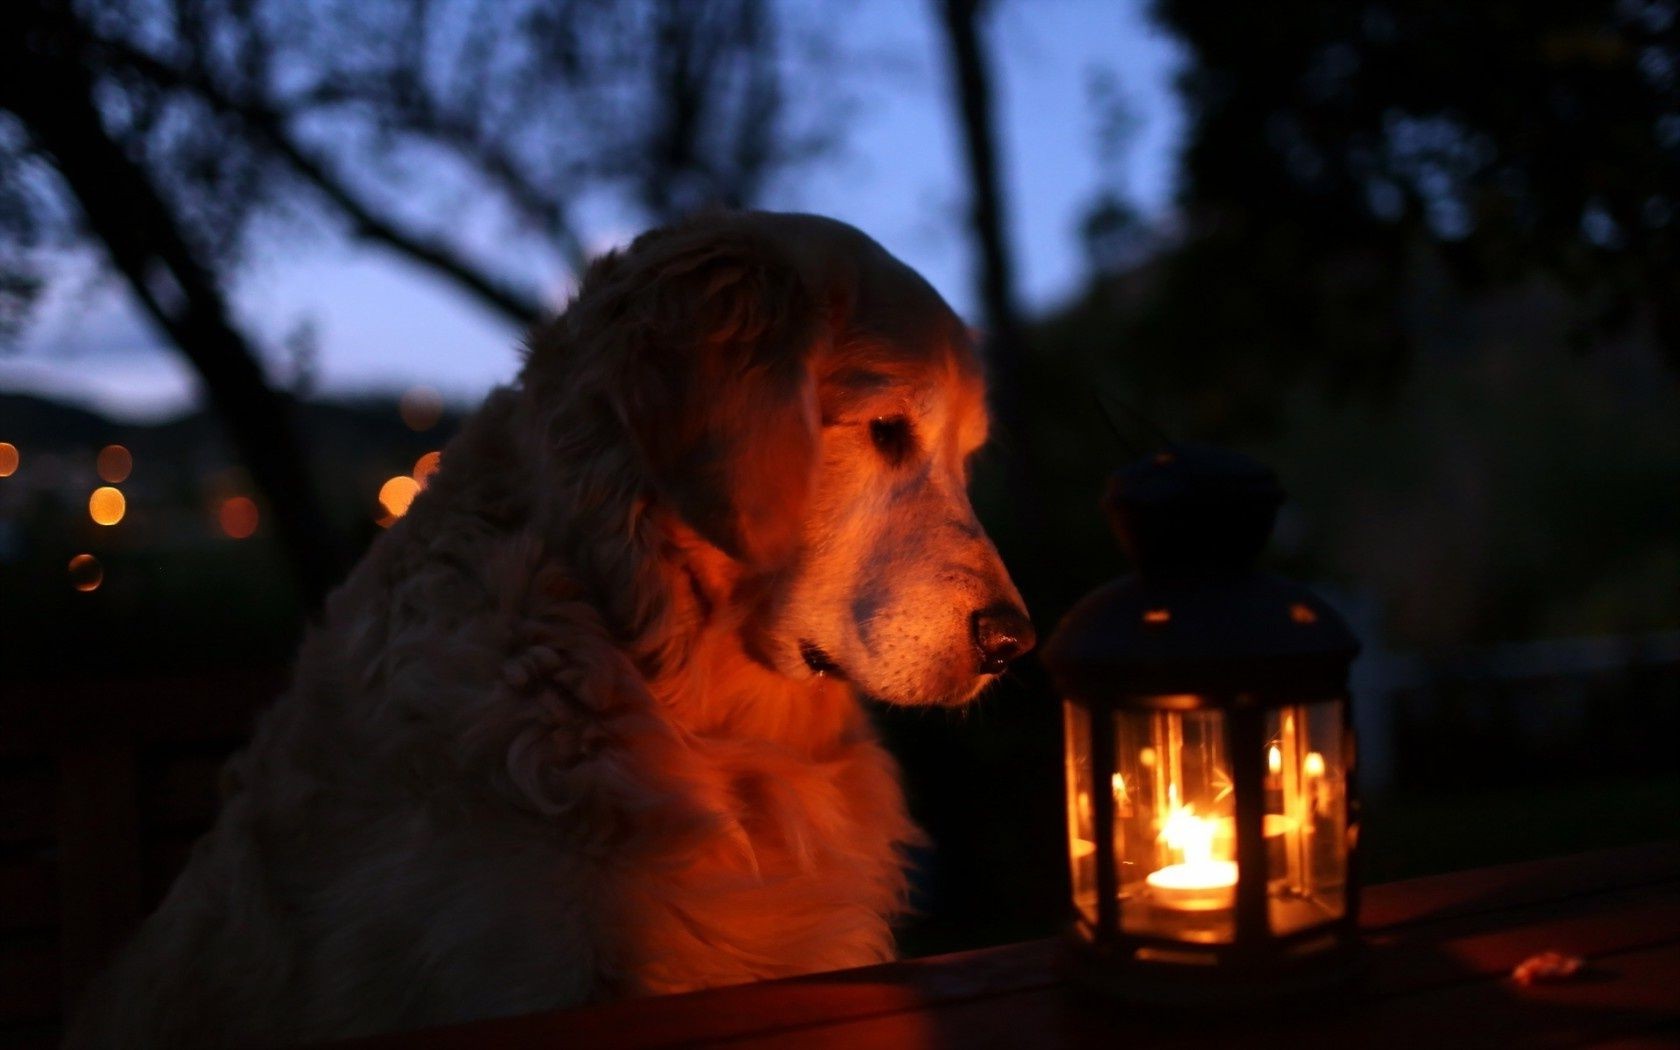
(585, 723)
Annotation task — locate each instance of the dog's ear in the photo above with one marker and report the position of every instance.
(716, 383)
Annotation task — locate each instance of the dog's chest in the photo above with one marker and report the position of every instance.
(803, 871)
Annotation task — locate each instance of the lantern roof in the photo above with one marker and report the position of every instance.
(1192, 510)
(1197, 617)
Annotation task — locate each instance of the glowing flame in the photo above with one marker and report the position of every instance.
(1156, 617)
(238, 517)
(106, 506)
(1274, 760)
(114, 464)
(1313, 764)
(8, 459)
(1189, 834)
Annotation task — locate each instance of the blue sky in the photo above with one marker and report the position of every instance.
(382, 324)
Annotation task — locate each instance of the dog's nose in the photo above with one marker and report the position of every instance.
(1001, 633)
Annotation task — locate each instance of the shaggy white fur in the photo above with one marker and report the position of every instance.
(561, 736)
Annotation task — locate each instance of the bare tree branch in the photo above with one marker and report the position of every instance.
(52, 92)
(271, 127)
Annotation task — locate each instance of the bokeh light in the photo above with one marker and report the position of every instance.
(396, 495)
(238, 517)
(114, 464)
(426, 466)
(421, 407)
(86, 574)
(8, 459)
(107, 506)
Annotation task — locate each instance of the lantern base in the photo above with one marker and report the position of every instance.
(1170, 978)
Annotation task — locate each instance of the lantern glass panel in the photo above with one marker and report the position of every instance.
(1174, 823)
(1306, 815)
(1082, 841)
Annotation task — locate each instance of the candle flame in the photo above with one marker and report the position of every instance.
(1189, 834)
(1274, 760)
(1313, 764)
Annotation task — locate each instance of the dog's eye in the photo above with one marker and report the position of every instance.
(891, 435)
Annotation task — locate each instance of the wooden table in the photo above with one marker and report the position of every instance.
(1441, 952)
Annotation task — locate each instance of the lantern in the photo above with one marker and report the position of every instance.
(1212, 822)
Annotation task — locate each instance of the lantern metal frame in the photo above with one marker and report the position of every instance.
(1198, 629)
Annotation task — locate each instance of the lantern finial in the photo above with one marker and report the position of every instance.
(1192, 510)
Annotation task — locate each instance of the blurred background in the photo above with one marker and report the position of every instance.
(259, 257)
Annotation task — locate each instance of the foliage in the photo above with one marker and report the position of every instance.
(1334, 143)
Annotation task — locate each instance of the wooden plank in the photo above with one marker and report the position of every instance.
(1433, 933)
(1438, 897)
(1408, 960)
(723, 1012)
(1629, 1000)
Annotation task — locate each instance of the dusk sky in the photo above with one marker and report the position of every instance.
(383, 325)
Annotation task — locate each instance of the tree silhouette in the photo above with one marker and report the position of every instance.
(163, 134)
(1337, 150)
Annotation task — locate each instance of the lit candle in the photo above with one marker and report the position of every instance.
(1200, 883)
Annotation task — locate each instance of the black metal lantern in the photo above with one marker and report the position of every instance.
(1212, 824)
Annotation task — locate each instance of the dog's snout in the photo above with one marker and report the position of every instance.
(1001, 633)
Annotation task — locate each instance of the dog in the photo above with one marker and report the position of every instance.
(586, 723)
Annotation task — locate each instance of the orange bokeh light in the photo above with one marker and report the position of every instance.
(86, 574)
(426, 466)
(107, 506)
(8, 459)
(114, 463)
(396, 495)
(238, 516)
(421, 407)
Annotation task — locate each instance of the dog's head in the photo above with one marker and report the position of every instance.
(806, 406)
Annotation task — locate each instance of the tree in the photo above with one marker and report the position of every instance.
(164, 134)
(1339, 150)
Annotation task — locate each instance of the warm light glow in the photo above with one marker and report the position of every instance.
(421, 407)
(1274, 760)
(238, 517)
(86, 573)
(106, 506)
(1199, 883)
(114, 464)
(396, 495)
(1189, 834)
(1302, 613)
(426, 466)
(1119, 782)
(1313, 764)
(8, 459)
(1157, 616)
(1146, 758)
